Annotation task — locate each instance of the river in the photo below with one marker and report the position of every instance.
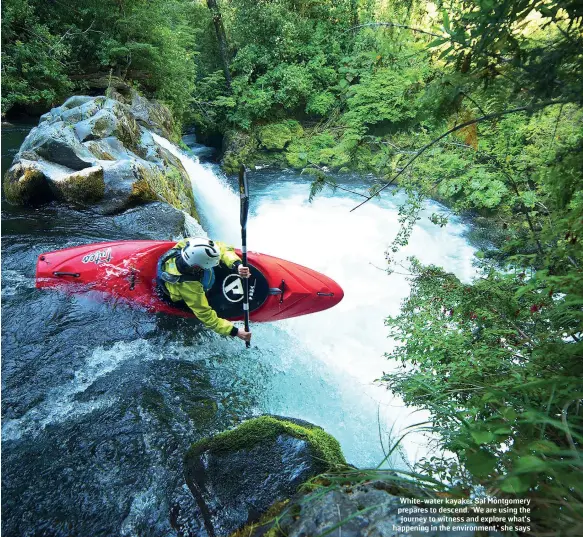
(100, 401)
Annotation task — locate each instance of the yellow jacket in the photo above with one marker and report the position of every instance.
(192, 293)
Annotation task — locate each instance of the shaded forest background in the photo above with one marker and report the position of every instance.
(475, 103)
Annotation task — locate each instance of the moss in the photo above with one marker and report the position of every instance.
(296, 129)
(98, 152)
(101, 127)
(297, 155)
(84, 186)
(23, 185)
(170, 185)
(325, 448)
(269, 518)
(128, 133)
(142, 192)
(240, 148)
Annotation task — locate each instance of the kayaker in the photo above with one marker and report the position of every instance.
(185, 274)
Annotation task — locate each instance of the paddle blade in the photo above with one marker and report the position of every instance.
(244, 193)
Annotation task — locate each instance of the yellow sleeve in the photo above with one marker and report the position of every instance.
(193, 295)
(228, 255)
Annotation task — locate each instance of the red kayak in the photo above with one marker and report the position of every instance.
(126, 270)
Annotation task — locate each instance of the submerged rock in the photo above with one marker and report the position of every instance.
(98, 152)
(236, 476)
(156, 221)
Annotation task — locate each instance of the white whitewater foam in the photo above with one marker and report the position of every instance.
(60, 404)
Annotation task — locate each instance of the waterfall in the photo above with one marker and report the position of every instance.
(325, 365)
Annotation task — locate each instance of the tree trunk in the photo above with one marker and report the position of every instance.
(221, 38)
(354, 12)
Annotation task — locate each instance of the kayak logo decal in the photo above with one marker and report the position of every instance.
(101, 256)
(233, 288)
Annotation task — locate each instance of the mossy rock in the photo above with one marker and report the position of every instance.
(238, 148)
(171, 184)
(270, 456)
(266, 428)
(85, 186)
(25, 183)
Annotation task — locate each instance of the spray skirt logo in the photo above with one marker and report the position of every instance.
(233, 288)
(101, 256)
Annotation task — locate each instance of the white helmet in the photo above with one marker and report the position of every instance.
(201, 253)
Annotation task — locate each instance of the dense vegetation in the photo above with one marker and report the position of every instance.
(361, 84)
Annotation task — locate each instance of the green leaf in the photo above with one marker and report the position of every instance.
(514, 485)
(480, 463)
(543, 446)
(482, 437)
(530, 463)
(509, 414)
(445, 20)
(445, 52)
(437, 42)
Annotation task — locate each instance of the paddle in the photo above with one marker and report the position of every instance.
(244, 193)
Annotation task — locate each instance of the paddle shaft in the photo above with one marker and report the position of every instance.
(244, 193)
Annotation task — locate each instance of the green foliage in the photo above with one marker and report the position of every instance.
(33, 68)
(47, 46)
(498, 365)
(278, 135)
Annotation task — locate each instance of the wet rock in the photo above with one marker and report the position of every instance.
(25, 183)
(126, 185)
(113, 121)
(153, 115)
(56, 142)
(97, 152)
(237, 475)
(109, 148)
(238, 148)
(85, 186)
(365, 509)
(156, 221)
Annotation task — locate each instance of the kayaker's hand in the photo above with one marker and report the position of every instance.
(245, 336)
(244, 272)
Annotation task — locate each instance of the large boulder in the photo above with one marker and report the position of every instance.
(237, 475)
(98, 152)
